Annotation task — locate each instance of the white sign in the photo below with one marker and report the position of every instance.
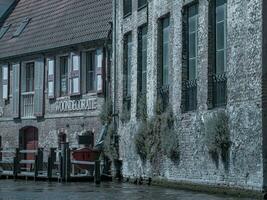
(76, 105)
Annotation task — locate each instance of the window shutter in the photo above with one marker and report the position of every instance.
(99, 70)
(5, 81)
(75, 66)
(16, 91)
(51, 78)
(211, 53)
(39, 87)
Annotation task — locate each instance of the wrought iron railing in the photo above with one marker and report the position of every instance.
(27, 104)
(190, 89)
(219, 90)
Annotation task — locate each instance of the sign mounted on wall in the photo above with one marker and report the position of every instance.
(76, 105)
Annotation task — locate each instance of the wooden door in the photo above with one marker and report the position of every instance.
(29, 141)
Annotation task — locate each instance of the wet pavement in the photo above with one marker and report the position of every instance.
(29, 190)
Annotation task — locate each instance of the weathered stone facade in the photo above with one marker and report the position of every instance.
(244, 94)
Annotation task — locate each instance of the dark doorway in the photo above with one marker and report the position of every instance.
(28, 140)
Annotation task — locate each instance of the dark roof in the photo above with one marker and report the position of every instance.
(54, 24)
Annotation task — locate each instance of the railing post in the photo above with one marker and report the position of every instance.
(49, 168)
(65, 162)
(16, 166)
(97, 172)
(36, 166)
(40, 159)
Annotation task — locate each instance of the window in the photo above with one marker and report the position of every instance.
(21, 27)
(190, 51)
(29, 77)
(142, 70)
(3, 30)
(127, 71)
(5, 81)
(51, 78)
(90, 71)
(220, 36)
(75, 74)
(64, 76)
(163, 54)
(217, 54)
(142, 3)
(127, 7)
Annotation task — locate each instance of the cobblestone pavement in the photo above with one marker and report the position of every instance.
(23, 190)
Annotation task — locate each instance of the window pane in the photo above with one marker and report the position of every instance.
(220, 12)
(192, 24)
(99, 82)
(220, 2)
(192, 69)
(75, 63)
(50, 67)
(165, 53)
(5, 91)
(141, 3)
(127, 7)
(75, 85)
(129, 69)
(29, 77)
(99, 58)
(192, 45)
(220, 62)
(220, 36)
(5, 73)
(50, 88)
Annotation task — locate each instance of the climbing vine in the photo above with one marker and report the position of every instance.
(156, 136)
(218, 137)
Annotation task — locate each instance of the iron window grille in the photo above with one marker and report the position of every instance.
(219, 90)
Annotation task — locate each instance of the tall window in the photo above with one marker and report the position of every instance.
(142, 59)
(142, 3)
(142, 70)
(127, 70)
(64, 76)
(220, 36)
(217, 68)
(163, 54)
(30, 77)
(91, 71)
(127, 7)
(190, 51)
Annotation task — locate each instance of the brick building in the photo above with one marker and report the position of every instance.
(202, 58)
(54, 58)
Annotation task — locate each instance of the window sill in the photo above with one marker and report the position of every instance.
(28, 118)
(219, 107)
